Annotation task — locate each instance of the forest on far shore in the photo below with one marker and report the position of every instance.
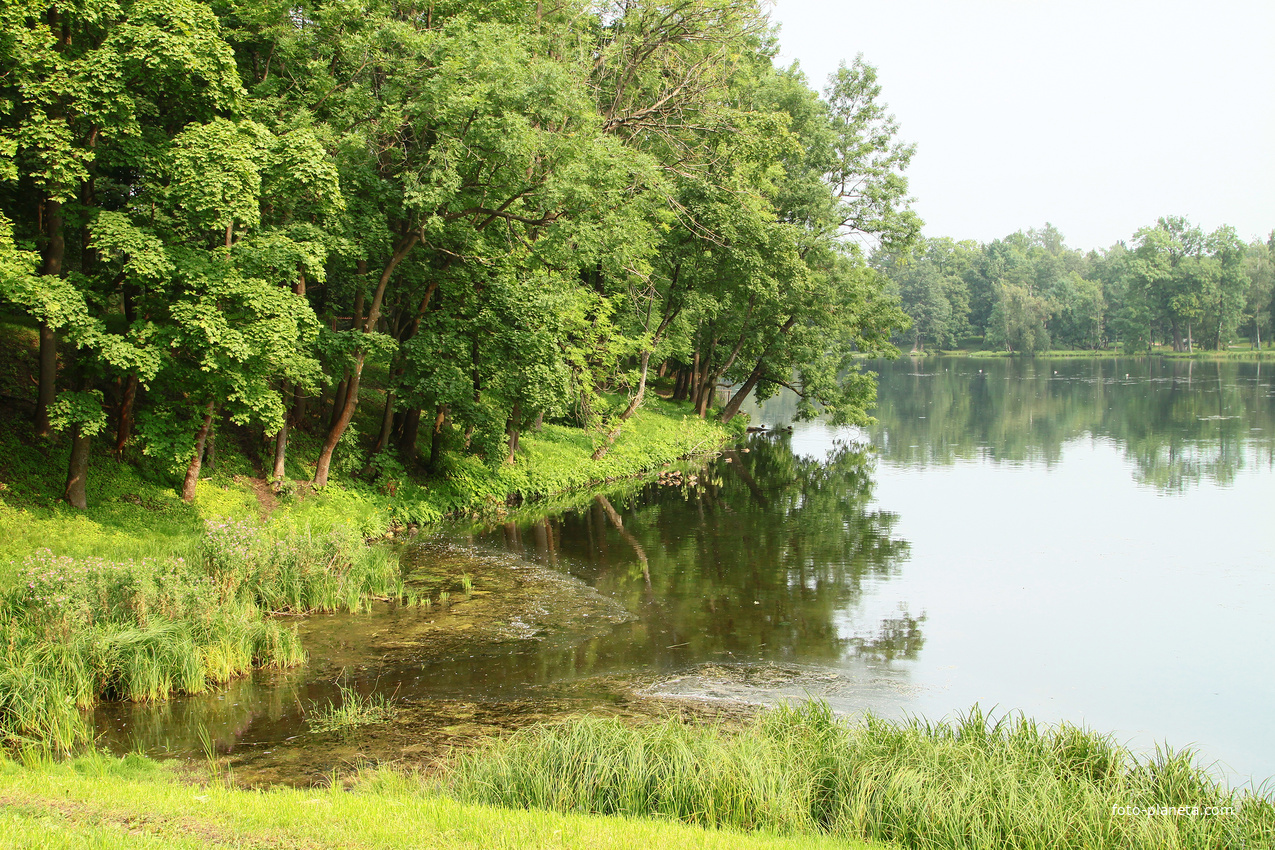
(1171, 285)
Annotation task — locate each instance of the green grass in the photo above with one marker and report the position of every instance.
(82, 629)
(353, 710)
(973, 783)
(555, 460)
(103, 802)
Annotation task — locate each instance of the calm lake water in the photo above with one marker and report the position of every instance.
(1081, 540)
(1090, 541)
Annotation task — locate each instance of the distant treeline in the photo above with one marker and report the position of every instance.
(1172, 285)
(226, 212)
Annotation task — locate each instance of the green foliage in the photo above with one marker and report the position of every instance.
(1026, 293)
(974, 782)
(79, 409)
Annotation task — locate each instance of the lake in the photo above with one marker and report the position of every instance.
(1082, 540)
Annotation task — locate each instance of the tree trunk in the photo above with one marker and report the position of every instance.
(411, 428)
(192, 471)
(124, 425)
(436, 439)
(281, 440)
(634, 403)
(692, 391)
(511, 431)
(737, 400)
(707, 380)
(706, 391)
(1177, 337)
(387, 421)
(343, 416)
(296, 418)
(77, 469)
(280, 452)
(338, 400)
(210, 451)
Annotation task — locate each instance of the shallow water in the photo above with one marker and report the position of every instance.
(1081, 540)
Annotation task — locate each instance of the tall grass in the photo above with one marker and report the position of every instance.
(973, 783)
(77, 630)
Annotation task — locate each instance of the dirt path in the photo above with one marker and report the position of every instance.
(267, 501)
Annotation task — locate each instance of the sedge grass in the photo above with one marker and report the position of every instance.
(976, 782)
(81, 629)
(352, 711)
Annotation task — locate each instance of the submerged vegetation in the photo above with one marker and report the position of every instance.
(976, 782)
(354, 710)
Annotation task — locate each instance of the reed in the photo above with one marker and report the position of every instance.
(974, 782)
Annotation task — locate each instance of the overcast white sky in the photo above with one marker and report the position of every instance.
(1096, 116)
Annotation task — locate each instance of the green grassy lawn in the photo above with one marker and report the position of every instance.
(103, 802)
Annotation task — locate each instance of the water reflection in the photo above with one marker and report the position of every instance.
(1179, 422)
(758, 557)
(999, 537)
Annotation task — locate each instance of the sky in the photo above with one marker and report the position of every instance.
(1097, 117)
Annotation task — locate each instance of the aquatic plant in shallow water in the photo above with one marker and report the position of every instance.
(352, 711)
(975, 782)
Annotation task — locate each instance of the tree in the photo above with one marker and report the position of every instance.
(930, 281)
(1017, 323)
(1225, 299)
(1169, 273)
(837, 308)
(93, 92)
(1259, 267)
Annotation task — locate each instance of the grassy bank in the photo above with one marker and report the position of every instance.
(103, 802)
(974, 783)
(797, 777)
(143, 596)
(83, 629)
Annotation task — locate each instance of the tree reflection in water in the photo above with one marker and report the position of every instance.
(762, 555)
(1179, 422)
